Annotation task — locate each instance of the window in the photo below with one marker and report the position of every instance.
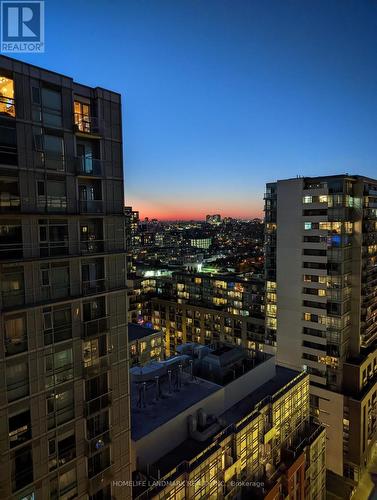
(9, 193)
(60, 407)
(55, 280)
(15, 334)
(8, 142)
(7, 107)
(57, 324)
(307, 225)
(61, 450)
(47, 106)
(22, 468)
(82, 116)
(10, 239)
(53, 237)
(12, 285)
(17, 380)
(19, 428)
(59, 367)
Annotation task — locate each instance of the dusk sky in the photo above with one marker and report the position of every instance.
(222, 96)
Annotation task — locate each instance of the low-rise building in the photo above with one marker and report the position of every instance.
(221, 422)
(145, 344)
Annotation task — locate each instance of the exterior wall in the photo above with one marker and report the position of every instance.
(169, 435)
(289, 273)
(61, 357)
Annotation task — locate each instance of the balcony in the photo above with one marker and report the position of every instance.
(52, 204)
(9, 203)
(57, 334)
(93, 286)
(53, 248)
(89, 166)
(100, 480)
(91, 246)
(11, 298)
(11, 250)
(95, 327)
(96, 366)
(99, 442)
(98, 403)
(86, 124)
(91, 206)
(51, 161)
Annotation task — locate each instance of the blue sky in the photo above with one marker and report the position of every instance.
(222, 96)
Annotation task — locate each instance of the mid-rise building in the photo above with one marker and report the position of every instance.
(204, 308)
(64, 402)
(321, 296)
(221, 422)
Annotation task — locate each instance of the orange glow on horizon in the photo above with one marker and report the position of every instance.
(171, 212)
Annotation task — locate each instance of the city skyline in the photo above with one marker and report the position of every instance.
(220, 98)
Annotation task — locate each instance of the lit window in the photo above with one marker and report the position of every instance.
(307, 225)
(7, 97)
(308, 199)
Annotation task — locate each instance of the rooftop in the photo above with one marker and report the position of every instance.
(190, 448)
(137, 332)
(148, 418)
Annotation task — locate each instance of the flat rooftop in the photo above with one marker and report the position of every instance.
(136, 332)
(190, 448)
(156, 413)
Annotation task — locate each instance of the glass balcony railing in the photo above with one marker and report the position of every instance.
(100, 479)
(91, 206)
(92, 246)
(94, 286)
(95, 327)
(7, 106)
(11, 250)
(86, 124)
(98, 403)
(96, 366)
(100, 441)
(89, 166)
(9, 203)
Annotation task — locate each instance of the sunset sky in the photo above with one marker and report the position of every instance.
(222, 96)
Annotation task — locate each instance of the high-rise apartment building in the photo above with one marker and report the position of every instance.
(321, 296)
(64, 402)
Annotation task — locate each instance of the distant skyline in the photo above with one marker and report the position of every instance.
(222, 96)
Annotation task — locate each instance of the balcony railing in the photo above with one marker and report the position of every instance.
(94, 286)
(7, 106)
(58, 334)
(96, 366)
(86, 124)
(11, 250)
(99, 442)
(101, 479)
(12, 298)
(52, 203)
(9, 203)
(98, 403)
(91, 206)
(95, 327)
(92, 246)
(53, 248)
(89, 166)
